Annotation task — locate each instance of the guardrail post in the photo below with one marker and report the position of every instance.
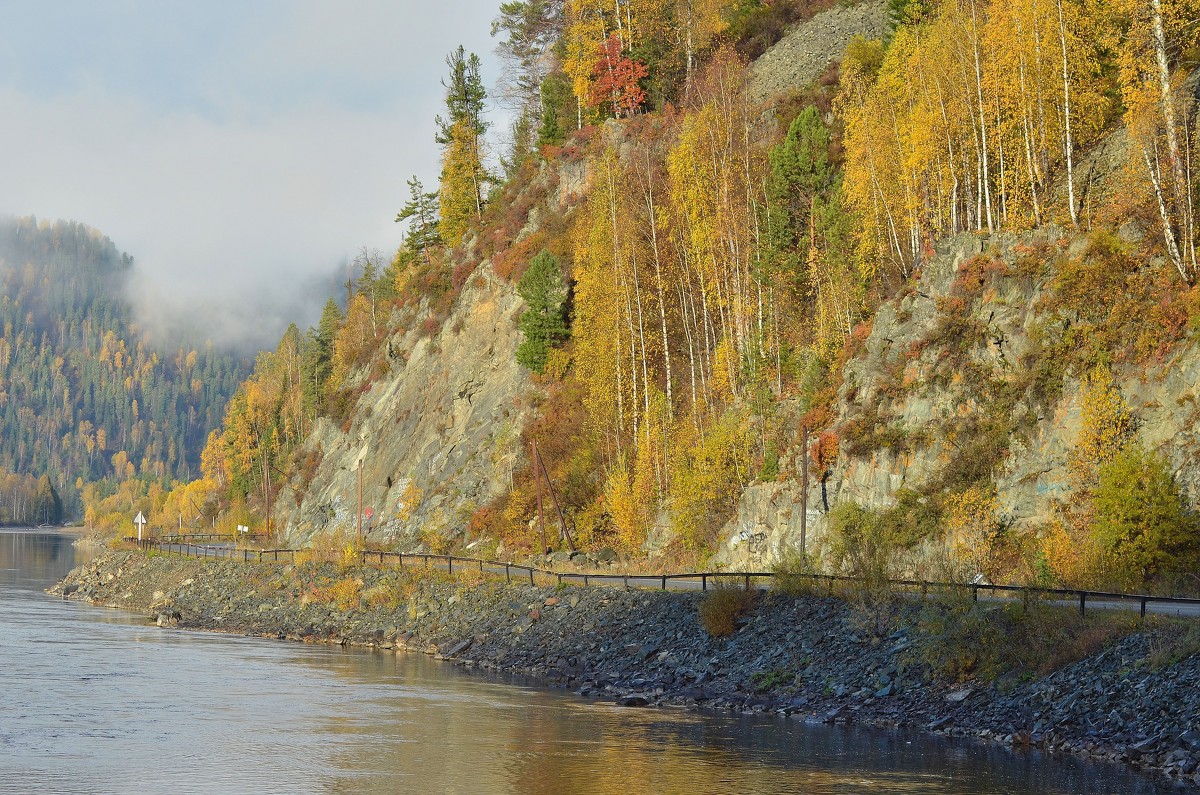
(974, 593)
(450, 562)
(531, 577)
(560, 579)
(747, 588)
(664, 582)
(1143, 607)
(585, 581)
(1082, 601)
(481, 567)
(703, 582)
(507, 576)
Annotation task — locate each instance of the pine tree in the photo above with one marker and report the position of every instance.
(317, 357)
(463, 178)
(421, 213)
(542, 323)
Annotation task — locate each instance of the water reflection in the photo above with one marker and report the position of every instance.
(99, 701)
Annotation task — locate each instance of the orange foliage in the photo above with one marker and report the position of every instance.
(825, 451)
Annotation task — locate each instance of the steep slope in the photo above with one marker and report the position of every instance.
(799, 57)
(961, 381)
(434, 437)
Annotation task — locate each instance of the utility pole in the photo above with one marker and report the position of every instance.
(537, 480)
(562, 522)
(803, 494)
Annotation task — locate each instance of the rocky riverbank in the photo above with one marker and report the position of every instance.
(1136, 701)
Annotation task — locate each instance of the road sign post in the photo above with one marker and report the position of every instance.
(140, 521)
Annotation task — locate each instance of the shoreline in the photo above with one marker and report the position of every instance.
(807, 657)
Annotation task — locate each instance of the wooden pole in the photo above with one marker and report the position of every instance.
(537, 479)
(562, 522)
(359, 517)
(803, 494)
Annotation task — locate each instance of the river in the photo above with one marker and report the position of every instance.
(99, 701)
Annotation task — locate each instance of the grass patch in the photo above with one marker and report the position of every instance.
(1172, 640)
(1027, 640)
(774, 679)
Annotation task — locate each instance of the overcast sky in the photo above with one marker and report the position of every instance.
(236, 149)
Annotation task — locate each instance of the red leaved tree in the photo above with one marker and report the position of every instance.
(615, 79)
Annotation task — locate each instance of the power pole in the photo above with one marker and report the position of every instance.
(562, 522)
(803, 494)
(537, 480)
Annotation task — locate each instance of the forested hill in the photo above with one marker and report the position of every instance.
(84, 398)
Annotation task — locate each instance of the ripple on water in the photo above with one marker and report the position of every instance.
(97, 701)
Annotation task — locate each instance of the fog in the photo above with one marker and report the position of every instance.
(241, 153)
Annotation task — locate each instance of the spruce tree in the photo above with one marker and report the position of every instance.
(543, 324)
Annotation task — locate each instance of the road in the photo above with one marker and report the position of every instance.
(1183, 608)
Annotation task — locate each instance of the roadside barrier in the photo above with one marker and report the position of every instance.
(695, 581)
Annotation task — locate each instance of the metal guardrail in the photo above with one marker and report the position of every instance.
(189, 537)
(686, 581)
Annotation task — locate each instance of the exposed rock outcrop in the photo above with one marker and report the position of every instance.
(914, 387)
(436, 437)
(799, 57)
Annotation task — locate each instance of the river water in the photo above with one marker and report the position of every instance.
(100, 701)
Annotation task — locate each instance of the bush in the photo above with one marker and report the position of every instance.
(964, 641)
(721, 609)
(1141, 519)
(790, 575)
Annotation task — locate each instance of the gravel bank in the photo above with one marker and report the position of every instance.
(806, 656)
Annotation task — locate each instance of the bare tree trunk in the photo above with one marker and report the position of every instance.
(1068, 144)
(1181, 191)
(987, 190)
(1168, 229)
(651, 211)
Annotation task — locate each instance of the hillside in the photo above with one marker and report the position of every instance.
(84, 397)
(953, 259)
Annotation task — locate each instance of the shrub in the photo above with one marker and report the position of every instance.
(790, 571)
(972, 524)
(1172, 641)
(1141, 519)
(964, 640)
(858, 543)
(722, 607)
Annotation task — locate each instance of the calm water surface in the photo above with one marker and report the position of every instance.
(99, 701)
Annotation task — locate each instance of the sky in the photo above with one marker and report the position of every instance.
(240, 151)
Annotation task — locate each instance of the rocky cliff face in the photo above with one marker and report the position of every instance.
(799, 57)
(945, 371)
(435, 438)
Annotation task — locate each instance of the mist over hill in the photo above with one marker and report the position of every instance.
(86, 394)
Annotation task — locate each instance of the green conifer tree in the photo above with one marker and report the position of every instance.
(543, 324)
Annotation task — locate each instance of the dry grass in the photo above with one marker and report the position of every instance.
(721, 609)
(1026, 640)
(1172, 640)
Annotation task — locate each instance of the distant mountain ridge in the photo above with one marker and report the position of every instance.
(84, 397)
